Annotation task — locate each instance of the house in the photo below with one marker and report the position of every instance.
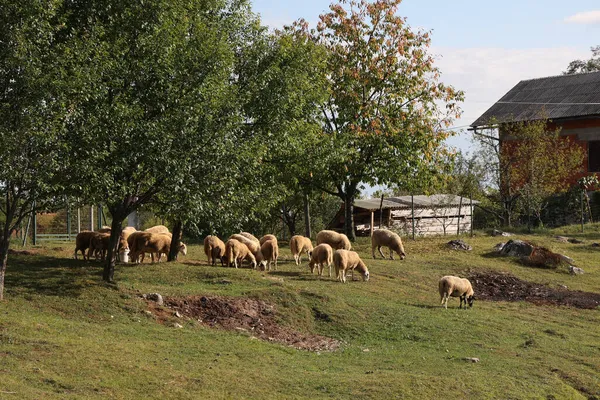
(425, 215)
(570, 102)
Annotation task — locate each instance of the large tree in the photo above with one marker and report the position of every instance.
(386, 110)
(581, 66)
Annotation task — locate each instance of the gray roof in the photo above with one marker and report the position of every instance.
(554, 97)
(421, 201)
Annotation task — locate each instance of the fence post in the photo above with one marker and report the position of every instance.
(459, 214)
(412, 206)
(68, 222)
(78, 219)
(92, 218)
(471, 210)
(582, 214)
(34, 217)
(99, 216)
(26, 231)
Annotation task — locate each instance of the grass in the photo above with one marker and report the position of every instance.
(66, 334)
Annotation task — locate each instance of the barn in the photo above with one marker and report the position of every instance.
(424, 215)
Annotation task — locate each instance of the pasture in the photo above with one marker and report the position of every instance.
(64, 333)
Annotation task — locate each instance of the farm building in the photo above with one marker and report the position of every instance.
(570, 102)
(432, 215)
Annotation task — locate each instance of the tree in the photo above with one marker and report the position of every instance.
(33, 160)
(385, 110)
(581, 66)
(149, 80)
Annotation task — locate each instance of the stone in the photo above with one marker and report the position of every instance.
(562, 239)
(177, 314)
(154, 297)
(575, 271)
(496, 232)
(575, 241)
(498, 248)
(459, 245)
(471, 359)
(595, 244)
(516, 248)
(178, 326)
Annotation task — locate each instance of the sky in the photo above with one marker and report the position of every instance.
(482, 47)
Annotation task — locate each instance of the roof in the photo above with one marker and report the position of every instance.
(420, 201)
(554, 97)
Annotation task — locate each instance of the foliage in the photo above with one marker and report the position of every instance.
(582, 66)
(386, 109)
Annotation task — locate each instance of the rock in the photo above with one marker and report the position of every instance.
(177, 314)
(154, 297)
(459, 245)
(595, 244)
(575, 241)
(498, 248)
(496, 232)
(178, 326)
(562, 239)
(563, 286)
(516, 248)
(575, 271)
(471, 359)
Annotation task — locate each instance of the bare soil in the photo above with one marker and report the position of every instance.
(496, 286)
(254, 317)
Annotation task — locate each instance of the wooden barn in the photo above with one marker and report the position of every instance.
(429, 215)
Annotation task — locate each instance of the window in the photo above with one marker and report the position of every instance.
(594, 156)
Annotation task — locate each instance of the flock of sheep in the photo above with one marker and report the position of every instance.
(332, 248)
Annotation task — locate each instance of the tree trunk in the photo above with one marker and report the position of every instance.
(4, 243)
(115, 234)
(349, 217)
(306, 216)
(175, 241)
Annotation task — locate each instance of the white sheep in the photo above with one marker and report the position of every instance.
(153, 243)
(384, 237)
(334, 239)
(345, 260)
(82, 243)
(214, 248)
(321, 255)
(456, 287)
(99, 244)
(250, 236)
(158, 229)
(298, 245)
(237, 251)
(270, 252)
(253, 246)
(268, 237)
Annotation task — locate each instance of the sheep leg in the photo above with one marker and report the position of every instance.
(329, 270)
(391, 254)
(381, 252)
(462, 298)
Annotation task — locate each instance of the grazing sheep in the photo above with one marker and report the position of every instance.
(250, 236)
(345, 260)
(154, 243)
(99, 244)
(237, 251)
(214, 248)
(268, 237)
(456, 287)
(253, 246)
(158, 229)
(384, 237)
(298, 245)
(334, 239)
(322, 255)
(104, 229)
(270, 252)
(82, 243)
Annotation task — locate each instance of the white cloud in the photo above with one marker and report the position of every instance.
(486, 74)
(587, 17)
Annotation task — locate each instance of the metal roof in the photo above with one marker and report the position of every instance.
(553, 97)
(421, 201)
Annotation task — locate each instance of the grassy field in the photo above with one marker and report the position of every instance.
(66, 334)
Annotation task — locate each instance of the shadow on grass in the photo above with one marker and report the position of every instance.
(51, 276)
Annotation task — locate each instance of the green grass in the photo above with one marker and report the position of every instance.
(66, 334)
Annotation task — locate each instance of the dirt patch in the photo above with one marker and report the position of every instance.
(23, 252)
(497, 286)
(255, 317)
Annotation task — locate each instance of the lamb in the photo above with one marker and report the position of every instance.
(253, 246)
(298, 245)
(268, 237)
(384, 237)
(99, 244)
(158, 229)
(345, 260)
(125, 233)
(456, 287)
(270, 251)
(334, 239)
(321, 255)
(214, 248)
(154, 243)
(82, 243)
(236, 250)
(250, 236)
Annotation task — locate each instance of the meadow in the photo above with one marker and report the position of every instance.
(65, 334)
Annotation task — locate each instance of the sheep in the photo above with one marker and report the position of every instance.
(155, 243)
(345, 260)
(253, 246)
(270, 251)
(82, 243)
(250, 236)
(384, 237)
(104, 229)
(214, 248)
(298, 245)
(456, 287)
(99, 244)
(134, 240)
(236, 250)
(268, 237)
(158, 229)
(334, 239)
(321, 255)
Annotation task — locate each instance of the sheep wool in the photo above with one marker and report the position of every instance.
(321, 256)
(300, 244)
(334, 239)
(453, 286)
(214, 248)
(384, 237)
(345, 260)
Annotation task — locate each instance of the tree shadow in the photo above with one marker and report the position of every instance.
(52, 276)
